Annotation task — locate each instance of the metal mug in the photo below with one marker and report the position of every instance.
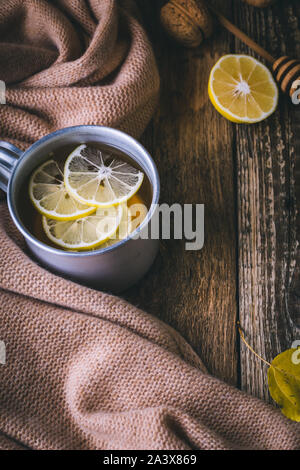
(112, 269)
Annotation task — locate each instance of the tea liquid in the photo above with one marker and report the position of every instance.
(32, 219)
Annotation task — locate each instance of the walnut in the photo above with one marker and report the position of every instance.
(187, 21)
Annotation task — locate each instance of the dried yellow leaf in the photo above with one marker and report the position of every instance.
(284, 383)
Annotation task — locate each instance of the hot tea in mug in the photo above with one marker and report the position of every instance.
(85, 197)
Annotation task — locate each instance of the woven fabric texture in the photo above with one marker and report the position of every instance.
(72, 62)
(86, 370)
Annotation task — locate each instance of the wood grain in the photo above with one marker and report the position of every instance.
(268, 163)
(195, 292)
(248, 177)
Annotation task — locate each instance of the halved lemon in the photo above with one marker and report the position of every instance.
(86, 233)
(96, 178)
(49, 196)
(242, 89)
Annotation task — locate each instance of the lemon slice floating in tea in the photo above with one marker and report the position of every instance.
(86, 233)
(242, 89)
(134, 212)
(49, 196)
(137, 212)
(123, 229)
(97, 179)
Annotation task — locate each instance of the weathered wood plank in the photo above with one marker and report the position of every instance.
(195, 292)
(267, 206)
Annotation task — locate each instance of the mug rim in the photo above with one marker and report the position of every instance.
(57, 251)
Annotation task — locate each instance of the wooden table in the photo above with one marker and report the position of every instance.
(249, 268)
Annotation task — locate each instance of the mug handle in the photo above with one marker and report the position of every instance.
(9, 155)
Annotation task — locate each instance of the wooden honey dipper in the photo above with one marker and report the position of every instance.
(189, 22)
